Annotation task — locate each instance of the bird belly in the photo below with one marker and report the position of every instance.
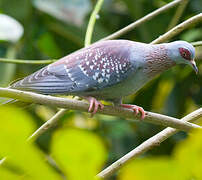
(127, 87)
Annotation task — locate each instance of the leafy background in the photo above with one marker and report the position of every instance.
(80, 146)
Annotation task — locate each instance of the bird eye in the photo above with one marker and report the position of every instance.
(185, 53)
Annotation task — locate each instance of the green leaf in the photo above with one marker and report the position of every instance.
(8, 175)
(153, 168)
(16, 126)
(188, 154)
(79, 153)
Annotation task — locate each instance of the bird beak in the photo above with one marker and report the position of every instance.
(194, 66)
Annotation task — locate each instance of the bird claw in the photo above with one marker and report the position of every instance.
(136, 109)
(94, 105)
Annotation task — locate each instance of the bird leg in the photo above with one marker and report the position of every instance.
(94, 105)
(135, 108)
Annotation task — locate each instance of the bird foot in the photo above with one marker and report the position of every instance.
(136, 109)
(94, 105)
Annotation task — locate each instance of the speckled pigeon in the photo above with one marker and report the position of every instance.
(108, 70)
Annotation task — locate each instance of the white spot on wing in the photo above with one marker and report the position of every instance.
(100, 80)
(108, 76)
(43, 71)
(96, 74)
(94, 77)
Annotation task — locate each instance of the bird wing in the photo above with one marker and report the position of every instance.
(98, 66)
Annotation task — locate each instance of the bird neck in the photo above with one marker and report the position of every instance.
(157, 61)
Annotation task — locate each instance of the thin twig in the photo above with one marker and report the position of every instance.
(147, 145)
(3, 160)
(83, 106)
(198, 43)
(178, 14)
(142, 20)
(91, 23)
(179, 28)
(50, 123)
(20, 61)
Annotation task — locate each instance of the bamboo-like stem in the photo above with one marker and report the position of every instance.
(142, 20)
(83, 106)
(178, 14)
(20, 61)
(147, 145)
(3, 160)
(50, 123)
(179, 28)
(92, 21)
(198, 43)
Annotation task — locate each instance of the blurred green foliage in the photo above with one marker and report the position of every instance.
(79, 154)
(183, 164)
(67, 147)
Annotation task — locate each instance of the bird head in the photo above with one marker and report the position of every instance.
(182, 52)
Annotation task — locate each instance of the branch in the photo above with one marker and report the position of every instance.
(142, 20)
(92, 21)
(50, 123)
(178, 14)
(2, 160)
(20, 61)
(147, 145)
(178, 29)
(83, 106)
(196, 44)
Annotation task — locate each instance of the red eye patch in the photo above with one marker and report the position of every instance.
(185, 53)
